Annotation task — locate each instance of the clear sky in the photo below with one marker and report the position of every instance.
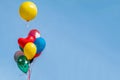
(82, 36)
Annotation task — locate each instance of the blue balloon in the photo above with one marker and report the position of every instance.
(40, 44)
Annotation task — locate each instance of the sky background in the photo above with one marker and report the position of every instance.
(82, 37)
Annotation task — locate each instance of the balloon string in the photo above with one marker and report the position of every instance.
(27, 24)
(29, 74)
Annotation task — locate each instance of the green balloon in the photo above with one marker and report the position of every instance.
(23, 63)
(21, 48)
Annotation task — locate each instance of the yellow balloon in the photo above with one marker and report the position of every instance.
(28, 10)
(30, 50)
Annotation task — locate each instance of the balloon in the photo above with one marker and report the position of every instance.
(17, 54)
(28, 10)
(31, 60)
(36, 55)
(23, 41)
(30, 50)
(40, 44)
(35, 33)
(23, 64)
(21, 48)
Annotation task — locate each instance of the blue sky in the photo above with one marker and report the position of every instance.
(82, 36)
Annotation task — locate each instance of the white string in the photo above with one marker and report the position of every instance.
(27, 24)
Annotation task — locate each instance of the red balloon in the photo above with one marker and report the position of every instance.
(35, 33)
(23, 41)
(36, 55)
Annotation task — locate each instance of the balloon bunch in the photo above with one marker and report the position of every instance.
(31, 47)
